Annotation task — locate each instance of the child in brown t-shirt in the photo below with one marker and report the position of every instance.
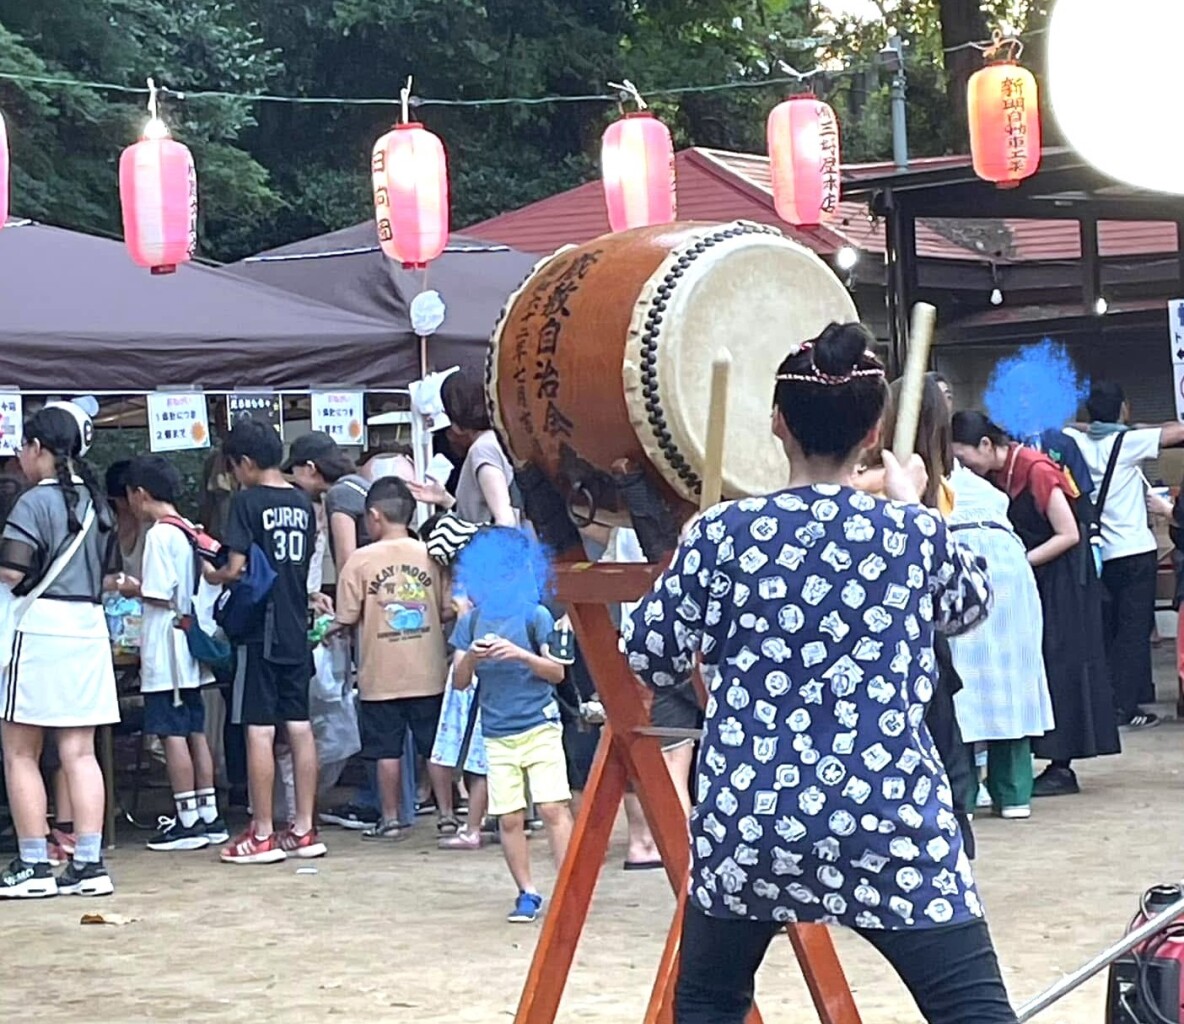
(392, 592)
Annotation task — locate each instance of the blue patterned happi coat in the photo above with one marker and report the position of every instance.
(820, 794)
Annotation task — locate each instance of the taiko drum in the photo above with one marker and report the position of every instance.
(603, 357)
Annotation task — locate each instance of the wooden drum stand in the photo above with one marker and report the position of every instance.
(630, 752)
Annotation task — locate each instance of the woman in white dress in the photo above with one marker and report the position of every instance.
(1004, 699)
(56, 652)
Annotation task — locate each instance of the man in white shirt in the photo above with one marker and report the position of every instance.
(1129, 559)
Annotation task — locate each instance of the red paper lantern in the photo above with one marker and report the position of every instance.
(158, 194)
(637, 164)
(410, 176)
(803, 138)
(1004, 116)
(3, 173)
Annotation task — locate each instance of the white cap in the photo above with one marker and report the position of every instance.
(86, 428)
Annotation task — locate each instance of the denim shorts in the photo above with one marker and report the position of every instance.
(164, 718)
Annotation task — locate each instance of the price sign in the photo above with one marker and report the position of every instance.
(11, 423)
(340, 415)
(264, 406)
(177, 421)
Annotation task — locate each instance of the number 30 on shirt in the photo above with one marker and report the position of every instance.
(288, 545)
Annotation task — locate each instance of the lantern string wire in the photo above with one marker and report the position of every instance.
(791, 77)
(987, 47)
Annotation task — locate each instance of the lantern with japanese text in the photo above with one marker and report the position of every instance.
(803, 137)
(410, 177)
(1004, 116)
(637, 164)
(3, 173)
(158, 196)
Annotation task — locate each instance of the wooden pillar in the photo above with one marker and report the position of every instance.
(902, 276)
(1180, 254)
(1091, 267)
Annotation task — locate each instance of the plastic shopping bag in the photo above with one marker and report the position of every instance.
(334, 713)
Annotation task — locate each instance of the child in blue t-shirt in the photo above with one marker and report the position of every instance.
(503, 640)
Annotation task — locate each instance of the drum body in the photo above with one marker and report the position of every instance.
(603, 357)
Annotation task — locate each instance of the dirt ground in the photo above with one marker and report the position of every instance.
(411, 934)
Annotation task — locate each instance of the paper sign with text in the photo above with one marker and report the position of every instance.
(1176, 332)
(264, 406)
(11, 423)
(340, 414)
(177, 421)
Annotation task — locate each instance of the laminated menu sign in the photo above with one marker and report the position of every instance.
(177, 421)
(340, 415)
(264, 406)
(10, 423)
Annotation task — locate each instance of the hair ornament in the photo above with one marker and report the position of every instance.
(817, 376)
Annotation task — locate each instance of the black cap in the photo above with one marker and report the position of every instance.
(310, 448)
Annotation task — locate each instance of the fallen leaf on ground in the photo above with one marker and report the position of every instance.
(113, 919)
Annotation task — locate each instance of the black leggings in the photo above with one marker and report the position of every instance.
(951, 971)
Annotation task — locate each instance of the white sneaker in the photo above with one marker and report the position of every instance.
(24, 881)
(1016, 813)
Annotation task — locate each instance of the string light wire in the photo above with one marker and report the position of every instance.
(791, 76)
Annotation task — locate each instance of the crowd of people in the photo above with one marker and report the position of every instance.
(448, 634)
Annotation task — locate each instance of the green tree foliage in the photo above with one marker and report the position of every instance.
(272, 172)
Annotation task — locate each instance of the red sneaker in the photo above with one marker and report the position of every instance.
(66, 840)
(57, 856)
(250, 849)
(306, 847)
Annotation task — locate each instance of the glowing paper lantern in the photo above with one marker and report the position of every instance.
(803, 136)
(1127, 133)
(158, 194)
(3, 173)
(410, 177)
(637, 164)
(1004, 116)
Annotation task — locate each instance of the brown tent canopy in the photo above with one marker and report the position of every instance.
(348, 269)
(79, 316)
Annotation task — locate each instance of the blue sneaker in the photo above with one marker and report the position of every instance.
(526, 909)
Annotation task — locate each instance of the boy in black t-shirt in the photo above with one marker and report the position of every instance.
(277, 519)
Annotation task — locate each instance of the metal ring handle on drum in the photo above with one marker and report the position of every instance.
(582, 522)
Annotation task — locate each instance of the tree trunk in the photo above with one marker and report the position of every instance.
(962, 21)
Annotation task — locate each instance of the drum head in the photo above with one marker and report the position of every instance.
(750, 290)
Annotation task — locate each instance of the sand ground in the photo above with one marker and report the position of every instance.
(410, 934)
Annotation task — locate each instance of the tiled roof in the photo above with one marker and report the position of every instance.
(718, 185)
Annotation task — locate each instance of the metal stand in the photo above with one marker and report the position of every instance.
(1147, 930)
(629, 752)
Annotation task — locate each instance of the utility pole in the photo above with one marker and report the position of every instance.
(892, 58)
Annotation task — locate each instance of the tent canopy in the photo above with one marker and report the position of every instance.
(347, 268)
(78, 315)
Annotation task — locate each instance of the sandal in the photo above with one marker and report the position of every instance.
(447, 825)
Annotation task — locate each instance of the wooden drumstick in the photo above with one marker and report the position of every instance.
(908, 415)
(717, 421)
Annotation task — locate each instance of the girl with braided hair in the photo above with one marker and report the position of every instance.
(57, 672)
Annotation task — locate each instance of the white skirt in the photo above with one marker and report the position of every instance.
(60, 675)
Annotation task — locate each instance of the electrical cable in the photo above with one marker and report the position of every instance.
(792, 77)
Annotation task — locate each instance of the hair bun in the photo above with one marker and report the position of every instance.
(839, 349)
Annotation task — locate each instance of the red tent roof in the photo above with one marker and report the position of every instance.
(717, 185)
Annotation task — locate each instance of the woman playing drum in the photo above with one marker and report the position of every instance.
(821, 796)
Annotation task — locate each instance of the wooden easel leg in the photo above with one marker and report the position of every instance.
(824, 974)
(568, 910)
